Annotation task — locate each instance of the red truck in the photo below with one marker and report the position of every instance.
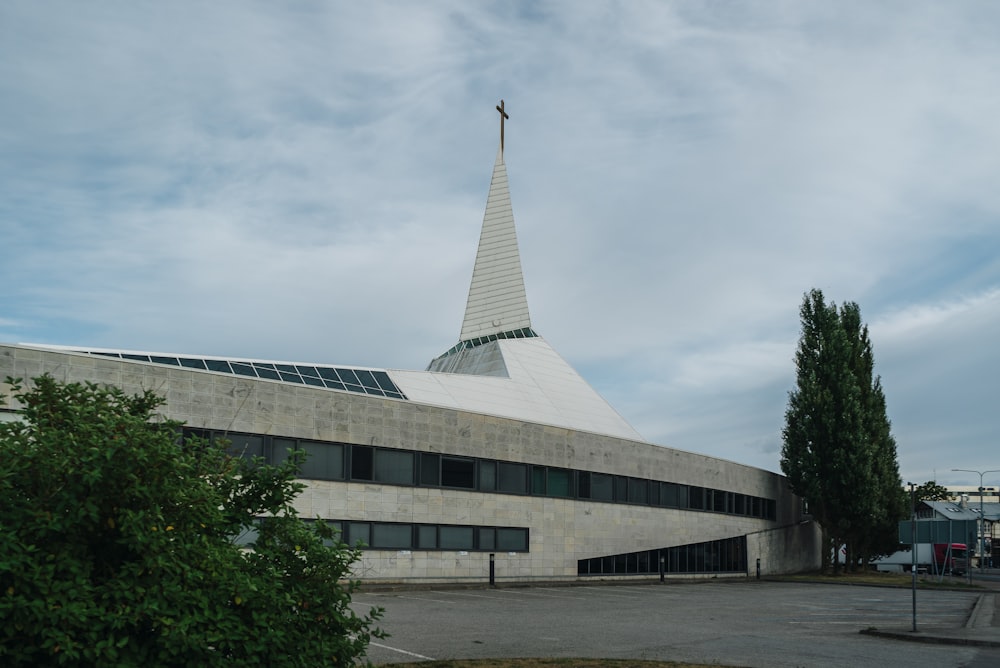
(931, 558)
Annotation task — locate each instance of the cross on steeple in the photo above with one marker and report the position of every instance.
(503, 116)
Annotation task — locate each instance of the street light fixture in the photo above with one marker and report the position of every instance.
(982, 519)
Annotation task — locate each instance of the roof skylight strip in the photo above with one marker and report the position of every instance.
(360, 381)
(468, 344)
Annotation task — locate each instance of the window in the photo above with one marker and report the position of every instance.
(696, 500)
(602, 487)
(512, 540)
(394, 466)
(456, 472)
(487, 538)
(621, 489)
(455, 538)
(487, 476)
(392, 536)
(281, 448)
(427, 536)
(669, 495)
(513, 478)
(359, 531)
(538, 480)
(559, 483)
(430, 469)
(245, 446)
(638, 491)
(362, 462)
(324, 461)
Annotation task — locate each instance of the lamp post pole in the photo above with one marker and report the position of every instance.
(913, 550)
(982, 520)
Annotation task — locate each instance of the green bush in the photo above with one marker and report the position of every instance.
(118, 545)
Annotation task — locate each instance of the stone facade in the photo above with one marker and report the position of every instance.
(561, 530)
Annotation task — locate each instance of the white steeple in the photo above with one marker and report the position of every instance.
(497, 301)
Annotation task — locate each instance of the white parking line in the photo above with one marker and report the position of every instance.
(421, 598)
(401, 651)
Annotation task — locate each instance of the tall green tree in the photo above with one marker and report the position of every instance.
(838, 452)
(118, 545)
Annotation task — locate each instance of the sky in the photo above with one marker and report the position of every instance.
(305, 181)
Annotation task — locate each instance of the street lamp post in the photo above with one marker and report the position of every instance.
(982, 520)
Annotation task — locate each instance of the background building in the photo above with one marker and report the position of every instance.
(499, 452)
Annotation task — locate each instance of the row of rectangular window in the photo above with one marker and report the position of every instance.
(415, 536)
(728, 555)
(393, 536)
(341, 461)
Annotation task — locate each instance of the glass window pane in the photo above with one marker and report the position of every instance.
(455, 538)
(243, 369)
(359, 531)
(669, 495)
(326, 373)
(638, 491)
(512, 540)
(430, 469)
(362, 466)
(218, 365)
(281, 448)
(559, 483)
(383, 380)
(457, 472)
(513, 478)
(538, 480)
(246, 446)
(487, 538)
(266, 371)
(190, 363)
(347, 375)
(487, 476)
(392, 536)
(427, 536)
(394, 466)
(602, 487)
(324, 461)
(621, 489)
(172, 361)
(367, 379)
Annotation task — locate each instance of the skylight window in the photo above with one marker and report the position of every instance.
(360, 381)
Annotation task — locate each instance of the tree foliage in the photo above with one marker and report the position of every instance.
(117, 545)
(931, 491)
(838, 452)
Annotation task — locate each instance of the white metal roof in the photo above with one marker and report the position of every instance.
(539, 387)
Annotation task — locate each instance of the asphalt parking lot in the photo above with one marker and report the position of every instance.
(744, 623)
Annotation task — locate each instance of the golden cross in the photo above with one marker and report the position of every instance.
(503, 115)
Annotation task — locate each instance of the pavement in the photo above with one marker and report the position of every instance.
(981, 628)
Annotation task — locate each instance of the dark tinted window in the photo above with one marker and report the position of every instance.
(456, 472)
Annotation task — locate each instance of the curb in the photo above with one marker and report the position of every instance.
(930, 639)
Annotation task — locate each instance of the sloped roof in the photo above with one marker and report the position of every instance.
(539, 386)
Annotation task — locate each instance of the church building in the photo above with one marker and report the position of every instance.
(499, 457)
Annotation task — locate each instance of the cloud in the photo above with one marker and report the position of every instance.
(307, 183)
